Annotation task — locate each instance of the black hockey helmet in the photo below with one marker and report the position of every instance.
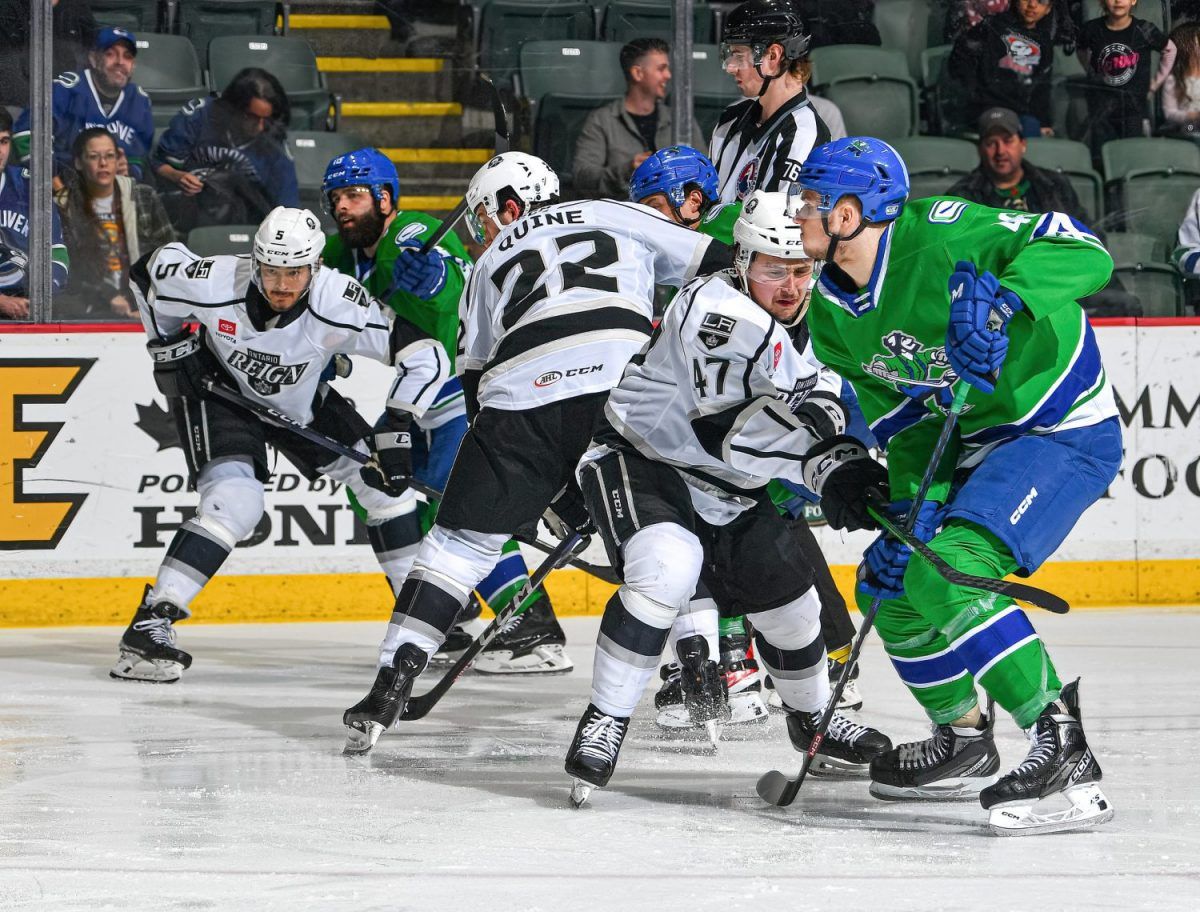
(761, 23)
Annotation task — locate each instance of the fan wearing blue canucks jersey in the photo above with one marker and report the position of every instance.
(102, 95)
(14, 233)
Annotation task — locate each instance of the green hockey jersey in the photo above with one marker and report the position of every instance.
(889, 338)
(718, 221)
(438, 316)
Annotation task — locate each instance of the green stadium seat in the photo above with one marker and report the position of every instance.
(903, 26)
(872, 87)
(1074, 160)
(624, 20)
(204, 20)
(1130, 248)
(136, 15)
(935, 162)
(505, 25)
(215, 240)
(170, 72)
(1151, 182)
(713, 90)
(312, 151)
(290, 60)
(547, 67)
(945, 100)
(1158, 286)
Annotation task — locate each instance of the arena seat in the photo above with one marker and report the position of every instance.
(136, 15)
(290, 60)
(1151, 182)
(624, 20)
(935, 162)
(505, 25)
(170, 72)
(215, 240)
(203, 20)
(872, 87)
(1074, 161)
(903, 26)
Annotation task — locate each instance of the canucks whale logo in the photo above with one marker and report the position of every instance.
(912, 369)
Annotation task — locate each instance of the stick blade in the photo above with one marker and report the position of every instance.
(776, 788)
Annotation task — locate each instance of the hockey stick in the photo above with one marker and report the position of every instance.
(336, 446)
(1039, 598)
(773, 786)
(500, 116)
(419, 707)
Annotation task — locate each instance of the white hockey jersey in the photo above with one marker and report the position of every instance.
(563, 298)
(713, 394)
(277, 359)
(750, 157)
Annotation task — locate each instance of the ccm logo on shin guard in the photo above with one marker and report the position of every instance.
(618, 504)
(1022, 507)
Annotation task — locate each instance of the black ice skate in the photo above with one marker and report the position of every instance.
(694, 693)
(1059, 762)
(530, 643)
(378, 711)
(953, 763)
(592, 756)
(147, 648)
(846, 748)
(851, 697)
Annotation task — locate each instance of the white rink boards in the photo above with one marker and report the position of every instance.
(229, 791)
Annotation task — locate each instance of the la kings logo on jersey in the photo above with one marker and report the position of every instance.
(263, 371)
(715, 330)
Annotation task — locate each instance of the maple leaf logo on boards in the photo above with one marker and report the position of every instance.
(156, 423)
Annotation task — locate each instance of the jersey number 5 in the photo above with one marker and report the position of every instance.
(530, 286)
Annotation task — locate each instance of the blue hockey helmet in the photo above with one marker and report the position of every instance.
(670, 171)
(860, 166)
(362, 168)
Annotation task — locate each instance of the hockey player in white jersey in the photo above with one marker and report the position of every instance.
(718, 403)
(269, 325)
(556, 306)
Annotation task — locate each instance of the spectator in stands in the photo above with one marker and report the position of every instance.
(1115, 51)
(962, 15)
(1006, 181)
(74, 30)
(224, 160)
(1187, 254)
(109, 221)
(1181, 90)
(619, 136)
(1006, 61)
(102, 95)
(14, 233)
(840, 21)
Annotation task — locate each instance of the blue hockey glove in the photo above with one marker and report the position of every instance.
(980, 309)
(881, 573)
(420, 274)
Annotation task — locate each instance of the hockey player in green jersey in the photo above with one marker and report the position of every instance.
(379, 244)
(915, 297)
(681, 183)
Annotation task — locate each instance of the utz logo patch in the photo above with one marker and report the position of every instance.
(715, 330)
(263, 371)
(748, 179)
(776, 355)
(201, 269)
(911, 368)
(227, 327)
(1023, 55)
(549, 378)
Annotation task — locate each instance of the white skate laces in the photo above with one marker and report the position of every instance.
(159, 629)
(922, 754)
(841, 728)
(1042, 747)
(601, 738)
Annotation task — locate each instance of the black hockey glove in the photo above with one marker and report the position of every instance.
(567, 514)
(840, 471)
(181, 366)
(824, 413)
(390, 467)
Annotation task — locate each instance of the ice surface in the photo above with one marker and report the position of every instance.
(229, 790)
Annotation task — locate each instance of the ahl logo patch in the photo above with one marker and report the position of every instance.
(748, 179)
(715, 330)
(547, 379)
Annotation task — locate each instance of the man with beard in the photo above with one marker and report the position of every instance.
(102, 95)
(380, 245)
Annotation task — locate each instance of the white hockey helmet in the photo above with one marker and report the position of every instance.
(289, 237)
(765, 227)
(529, 178)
